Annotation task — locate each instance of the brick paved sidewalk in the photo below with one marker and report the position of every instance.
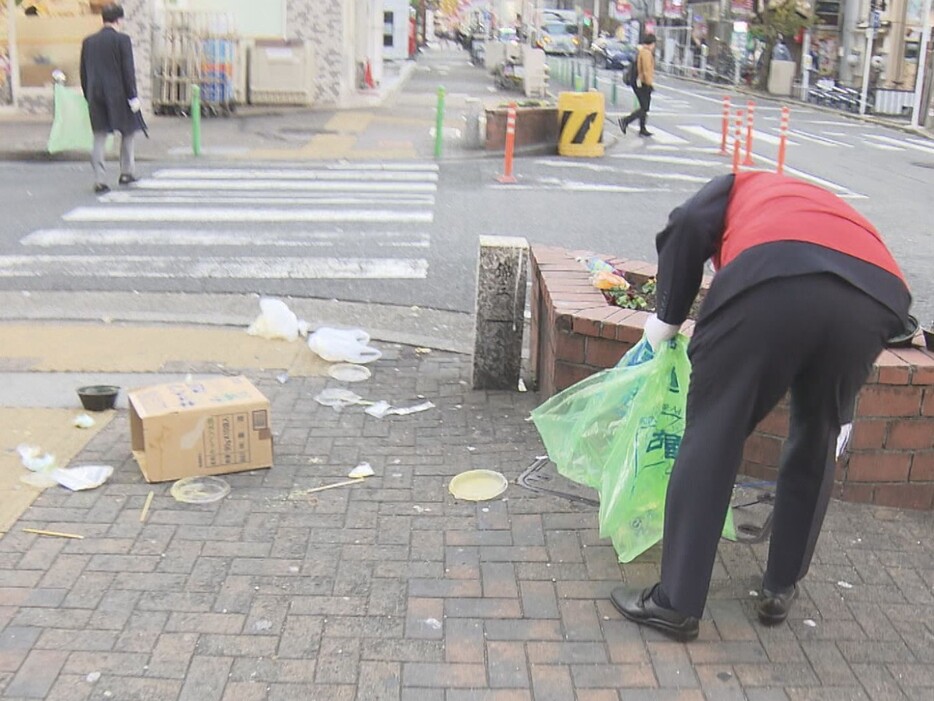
(392, 590)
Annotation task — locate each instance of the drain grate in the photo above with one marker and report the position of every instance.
(751, 503)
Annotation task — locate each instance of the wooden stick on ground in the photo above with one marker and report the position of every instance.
(145, 511)
(336, 484)
(55, 534)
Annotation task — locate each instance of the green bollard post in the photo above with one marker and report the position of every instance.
(595, 78)
(439, 123)
(196, 119)
(573, 77)
(613, 95)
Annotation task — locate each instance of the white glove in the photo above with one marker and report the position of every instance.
(135, 104)
(657, 331)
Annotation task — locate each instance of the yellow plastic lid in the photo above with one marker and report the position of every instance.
(478, 485)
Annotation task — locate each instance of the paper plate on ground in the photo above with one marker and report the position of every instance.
(478, 485)
(348, 372)
(200, 490)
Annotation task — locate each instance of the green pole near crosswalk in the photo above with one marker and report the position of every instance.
(196, 119)
(439, 123)
(614, 95)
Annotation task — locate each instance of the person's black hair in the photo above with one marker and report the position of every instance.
(111, 13)
(32, 11)
(648, 39)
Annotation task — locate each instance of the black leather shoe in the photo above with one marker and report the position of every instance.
(645, 133)
(639, 607)
(623, 125)
(128, 179)
(773, 606)
(101, 189)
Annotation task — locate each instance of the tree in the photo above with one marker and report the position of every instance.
(776, 18)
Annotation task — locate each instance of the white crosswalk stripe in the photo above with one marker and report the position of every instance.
(367, 222)
(903, 143)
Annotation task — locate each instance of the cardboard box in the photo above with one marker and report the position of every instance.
(211, 427)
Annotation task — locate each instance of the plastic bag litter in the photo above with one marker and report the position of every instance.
(83, 421)
(338, 398)
(619, 432)
(277, 321)
(383, 408)
(82, 477)
(364, 469)
(33, 459)
(343, 345)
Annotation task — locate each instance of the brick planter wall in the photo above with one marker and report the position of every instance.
(890, 462)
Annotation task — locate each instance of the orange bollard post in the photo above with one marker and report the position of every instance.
(724, 137)
(507, 176)
(782, 140)
(737, 140)
(750, 122)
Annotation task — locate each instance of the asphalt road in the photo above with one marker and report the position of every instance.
(412, 232)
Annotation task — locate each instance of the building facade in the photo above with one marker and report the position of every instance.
(344, 36)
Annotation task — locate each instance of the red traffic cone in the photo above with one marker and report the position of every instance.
(368, 76)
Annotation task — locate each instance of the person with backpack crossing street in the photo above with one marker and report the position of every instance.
(641, 79)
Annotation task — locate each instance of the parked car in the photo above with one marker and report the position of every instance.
(613, 53)
(558, 38)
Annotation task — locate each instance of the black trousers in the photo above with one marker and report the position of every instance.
(814, 334)
(644, 95)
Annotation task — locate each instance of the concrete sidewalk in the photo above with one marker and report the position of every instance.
(392, 589)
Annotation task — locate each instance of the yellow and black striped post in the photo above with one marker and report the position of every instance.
(580, 123)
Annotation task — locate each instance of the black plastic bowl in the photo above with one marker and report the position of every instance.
(98, 397)
(929, 338)
(904, 339)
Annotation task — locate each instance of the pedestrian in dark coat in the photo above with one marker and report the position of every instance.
(108, 80)
(805, 297)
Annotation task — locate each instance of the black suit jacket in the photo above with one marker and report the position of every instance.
(108, 79)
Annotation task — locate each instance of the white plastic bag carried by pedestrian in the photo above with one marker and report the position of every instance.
(343, 345)
(276, 320)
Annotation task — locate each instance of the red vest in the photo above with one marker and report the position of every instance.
(766, 207)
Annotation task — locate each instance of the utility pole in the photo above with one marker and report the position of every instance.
(871, 25)
(919, 113)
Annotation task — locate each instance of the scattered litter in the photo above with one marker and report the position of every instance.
(277, 321)
(522, 387)
(53, 534)
(724, 676)
(844, 585)
(470, 448)
(422, 351)
(478, 485)
(83, 421)
(337, 398)
(82, 477)
(32, 460)
(294, 569)
(282, 378)
(200, 489)
(364, 469)
(421, 509)
(396, 461)
(397, 475)
(433, 623)
(382, 409)
(145, 511)
(262, 624)
(753, 593)
(39, 480)
(332, 486)
(810, 623)
(349, 372)
(343, 345)
(93, 677)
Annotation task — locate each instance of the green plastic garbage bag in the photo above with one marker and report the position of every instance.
(619, 432)
(71, 125)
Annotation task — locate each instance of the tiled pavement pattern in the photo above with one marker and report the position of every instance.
(392, 590)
